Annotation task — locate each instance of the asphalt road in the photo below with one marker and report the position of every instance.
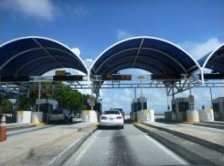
(127, 147)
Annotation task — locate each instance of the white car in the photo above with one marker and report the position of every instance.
(112, 119)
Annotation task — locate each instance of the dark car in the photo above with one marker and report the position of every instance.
(60, 115)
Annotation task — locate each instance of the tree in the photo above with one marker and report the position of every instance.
(70, 99)
(7, 105)
(66, 96)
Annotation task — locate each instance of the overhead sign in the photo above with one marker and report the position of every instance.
(68, 78)
(60, 72)
(165, 77)
(15, 79)
(41, 79)
(117, 77)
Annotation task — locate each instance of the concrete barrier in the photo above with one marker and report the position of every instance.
(89, 116)
(24, 117)
(145, 116)
(192, 116)
(206, 115)
(37, 117)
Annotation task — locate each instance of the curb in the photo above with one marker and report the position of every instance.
(216, 126)
(213, 146)
(34, 129)
(9, 128)
(193, 158)
(64, 155)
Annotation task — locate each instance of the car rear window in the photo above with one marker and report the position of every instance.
(111, 112)
(57, 111)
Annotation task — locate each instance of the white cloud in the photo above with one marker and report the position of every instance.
(76, 51)
(198, 50)
(75, 12)
(41, 9)
(117, 98)
(80, 11)
(121, 34)
(88, 63)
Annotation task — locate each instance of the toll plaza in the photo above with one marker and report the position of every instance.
(170, 66)
(24, 60)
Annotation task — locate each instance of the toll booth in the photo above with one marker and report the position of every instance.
(137, 104)
(142, 103)
(218, 107)
(46, 106)
(134, 109)
(179, 108)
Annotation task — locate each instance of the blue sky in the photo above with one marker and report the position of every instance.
(93, 25)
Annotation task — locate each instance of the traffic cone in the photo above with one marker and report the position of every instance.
(3, 136)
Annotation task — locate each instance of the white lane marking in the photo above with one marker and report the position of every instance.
(86, 147)
(168, 151)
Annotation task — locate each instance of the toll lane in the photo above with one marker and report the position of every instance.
(123, 147)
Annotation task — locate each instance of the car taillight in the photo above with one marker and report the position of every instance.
(103, 117)
(119, 117)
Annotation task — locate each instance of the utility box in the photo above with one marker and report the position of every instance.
(180, 107)
(218, 108)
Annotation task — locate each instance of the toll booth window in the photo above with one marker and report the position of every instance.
(173, 107)
(144, 105)
(183, 106)
(46, 107)
(216, 107)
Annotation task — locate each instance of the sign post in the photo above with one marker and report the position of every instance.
(141, 77)
(91, 101)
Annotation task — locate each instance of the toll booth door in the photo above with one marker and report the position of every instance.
(183, 107)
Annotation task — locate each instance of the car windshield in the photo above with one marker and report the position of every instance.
(111, 112)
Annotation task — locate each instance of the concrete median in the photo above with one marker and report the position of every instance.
(50, 146)
(64, 155)
(192, 152)
(215, 146)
